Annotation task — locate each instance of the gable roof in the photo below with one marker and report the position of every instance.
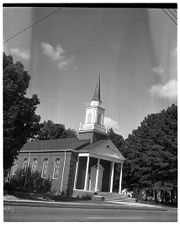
(55, 144)
(105, 148)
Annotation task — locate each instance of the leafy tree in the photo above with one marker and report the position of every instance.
(50, 130)
(70, 133)
(117, 139)
(19, 119)
(151, 152)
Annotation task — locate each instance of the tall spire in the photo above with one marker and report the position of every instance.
(97, 96)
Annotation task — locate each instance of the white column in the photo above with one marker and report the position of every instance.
(120, 180)
(76, 173)
(97, 175)
(86, 177)
(112, 177)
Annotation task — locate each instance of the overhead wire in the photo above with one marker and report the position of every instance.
(53, 12)
(36, 22)
(173, 14)
(170, 17)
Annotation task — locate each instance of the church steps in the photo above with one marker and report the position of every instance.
(115, 196)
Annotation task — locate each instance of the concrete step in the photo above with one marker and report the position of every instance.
(115, 196)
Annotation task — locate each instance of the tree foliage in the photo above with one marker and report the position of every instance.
(50, 130)
(29, 182)
(151, 152)
(117, 139)
(19, 119)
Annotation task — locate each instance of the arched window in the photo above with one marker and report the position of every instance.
(56, 169)
(44, 169)
(34, 166)
(15, 168)
(89, 118)
(25, 167)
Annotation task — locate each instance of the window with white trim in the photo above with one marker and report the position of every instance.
(34, 166)
(25, 166)
(15, 168)
(45, 169)
(56, 169)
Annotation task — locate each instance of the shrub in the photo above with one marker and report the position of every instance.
(9, 187)
(29, 182)
(86, 197)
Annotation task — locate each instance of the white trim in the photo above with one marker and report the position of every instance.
(76, 172)
(25, 168)
(86, 176)
(45, 160)
(112, 177)
(55, 163)
(108, 158)
(97, 175)
(46, 150)
(120, 179)
(83, 154)
(63, 172)
(15, 167)
(33, 164)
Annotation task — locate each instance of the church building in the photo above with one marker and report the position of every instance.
(76, 166)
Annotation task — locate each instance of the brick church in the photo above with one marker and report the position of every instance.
(76, 166)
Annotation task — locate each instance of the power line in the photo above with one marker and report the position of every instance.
(170, 16)
(175, 10)
(26, 28)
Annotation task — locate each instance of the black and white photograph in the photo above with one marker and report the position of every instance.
(90, 112)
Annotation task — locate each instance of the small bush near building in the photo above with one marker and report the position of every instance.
(86, 197)
(168, 197)
(27, 182)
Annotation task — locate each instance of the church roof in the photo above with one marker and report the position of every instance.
(103, 148)
(97, 96)
(55, 144)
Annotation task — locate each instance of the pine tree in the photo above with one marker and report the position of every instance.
(151, 152)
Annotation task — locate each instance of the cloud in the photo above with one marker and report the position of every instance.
(174, 53)
(158, 70)
(173, 64)
(21, 52)
(57, 55)
(168, 90)
(110, 123)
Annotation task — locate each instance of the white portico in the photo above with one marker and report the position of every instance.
(95, 167)
(96, 162)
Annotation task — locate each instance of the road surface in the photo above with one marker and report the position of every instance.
(19, 213)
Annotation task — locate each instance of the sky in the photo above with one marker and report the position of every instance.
(134, 50)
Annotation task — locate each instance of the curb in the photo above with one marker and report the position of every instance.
(77, 205)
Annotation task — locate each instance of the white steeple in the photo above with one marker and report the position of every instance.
(94, 119)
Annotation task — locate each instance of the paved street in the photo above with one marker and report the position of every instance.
(18, 213)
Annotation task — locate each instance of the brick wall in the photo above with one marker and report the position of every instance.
(71, 177)
(68, 162)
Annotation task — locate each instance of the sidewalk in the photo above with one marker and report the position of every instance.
(11, 200)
